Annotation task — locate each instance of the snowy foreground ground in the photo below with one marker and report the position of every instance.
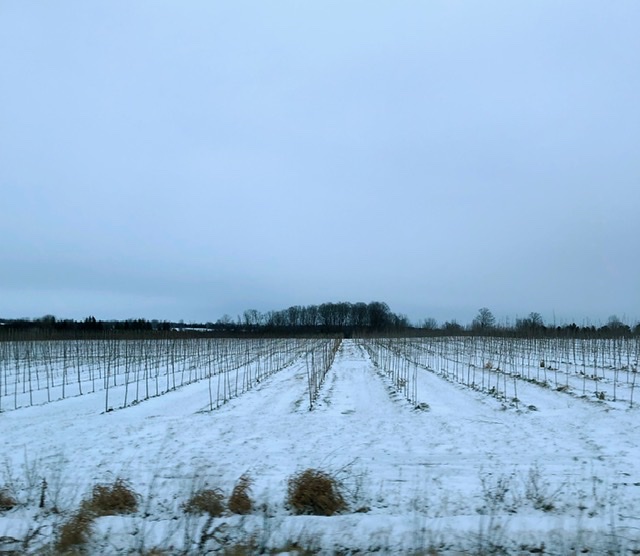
(465, 475)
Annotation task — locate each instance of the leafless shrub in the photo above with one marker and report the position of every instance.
(315, 492)
(494, 492)
(114, 499)
(206, 501)
(7, 502)
(240, 500)
(538, 491)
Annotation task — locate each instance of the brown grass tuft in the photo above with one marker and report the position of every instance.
(114, 499)
(118, 498)
(206, 501)
(75, 532)
(315, 492)
(7, 502)
(240, 500)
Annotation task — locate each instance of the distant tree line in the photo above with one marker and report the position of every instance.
(50, 322)
(328, 317)
(484, 323)
(50, 327)
(342, 318)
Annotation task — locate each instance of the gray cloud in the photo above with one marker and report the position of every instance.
(187, 161)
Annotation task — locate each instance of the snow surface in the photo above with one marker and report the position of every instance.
(465, 473)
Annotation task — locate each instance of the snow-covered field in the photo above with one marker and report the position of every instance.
(458, 469)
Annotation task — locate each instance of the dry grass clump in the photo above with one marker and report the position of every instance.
(114, 499)
(240, 500)
(315, 492)
(75, 532)
(118, 498)
(206, 501)
(7, 502)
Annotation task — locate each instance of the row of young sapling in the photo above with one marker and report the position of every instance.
(605, 369)
(318, 355)
(319, 361)
(389, 356)
(129, 371)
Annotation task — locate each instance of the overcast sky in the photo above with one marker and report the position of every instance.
(182, 160)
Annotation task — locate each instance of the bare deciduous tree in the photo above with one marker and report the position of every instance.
(484, 320)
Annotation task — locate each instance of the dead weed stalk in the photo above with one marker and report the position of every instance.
(240, 500)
